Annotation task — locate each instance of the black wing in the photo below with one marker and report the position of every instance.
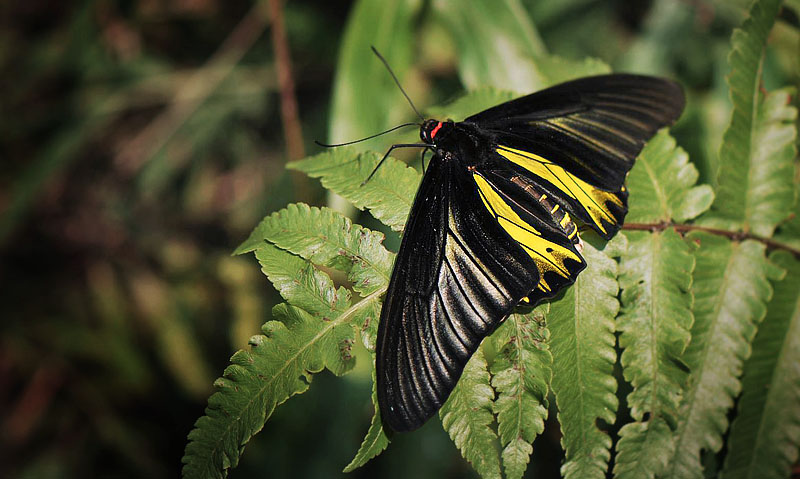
(581, 138)
(470, 252)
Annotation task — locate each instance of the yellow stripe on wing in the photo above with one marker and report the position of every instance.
(592, 199)
(548, 256)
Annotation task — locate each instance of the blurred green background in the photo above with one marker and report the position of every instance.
(142, 140)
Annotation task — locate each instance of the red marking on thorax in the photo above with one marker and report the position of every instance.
(435, 130)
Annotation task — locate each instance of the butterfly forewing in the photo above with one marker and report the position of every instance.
(493, 224)
(592, 127)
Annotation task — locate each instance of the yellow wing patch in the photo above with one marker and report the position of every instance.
(592, 199)
(548, 256)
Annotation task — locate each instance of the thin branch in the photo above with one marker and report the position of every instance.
(136, 152)
(290, 117)
(733, 235)
(289, 111)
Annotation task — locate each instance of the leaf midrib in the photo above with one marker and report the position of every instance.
(654, 323)
(664, 214)
(751, 133)
(355, 254)
(347, 313)
(681, 435)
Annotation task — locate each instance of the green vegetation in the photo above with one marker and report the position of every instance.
(143, 142)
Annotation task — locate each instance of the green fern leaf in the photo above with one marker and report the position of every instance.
(643, 449)
(388, 194)
(327, 238)
(765, 435)
(316, 331)
(277, 366)
(366, 319)
(655, 276)
(755, 174)
(581, 324)
(301, 284)
(376, 439)
(661, 184)
(521, 371)
(731, 287)
(467, 416)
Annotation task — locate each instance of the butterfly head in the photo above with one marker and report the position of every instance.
(434, 130)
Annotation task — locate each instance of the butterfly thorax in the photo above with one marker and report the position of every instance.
(449, 139)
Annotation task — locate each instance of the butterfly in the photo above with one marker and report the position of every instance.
(495, 223)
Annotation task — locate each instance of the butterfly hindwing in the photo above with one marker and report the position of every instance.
(602, 210)
(470, 253)
(536, 224)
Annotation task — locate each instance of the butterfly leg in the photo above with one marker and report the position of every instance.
(399, 145)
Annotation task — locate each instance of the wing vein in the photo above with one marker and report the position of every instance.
(472, 260)
(458, 285)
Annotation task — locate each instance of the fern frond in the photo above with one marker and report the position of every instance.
(731, 288)
(559, 69)
(301, 284)
(662, 184)
(327, 238)
(755, 169)
(467, 417)
(655, 276)
(765, 436)
(521, 371)
(315, 330)
(376, 439)
(387, 195)
(582, 341)
(278, 365)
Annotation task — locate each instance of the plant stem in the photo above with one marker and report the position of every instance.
(734, 235)
(283, 65)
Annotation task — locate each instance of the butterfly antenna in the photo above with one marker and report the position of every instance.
(386, 64)
(333, 145)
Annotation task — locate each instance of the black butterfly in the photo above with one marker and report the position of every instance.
(493, 223)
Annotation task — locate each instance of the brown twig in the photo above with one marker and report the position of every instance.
(289, 114)
(290, 117)
(734, 235)
(136, 152)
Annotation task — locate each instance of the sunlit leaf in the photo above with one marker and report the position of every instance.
(755, 169)
(655, 276)
(731, 288)
(365, 98)
(496, 43)
(765, 436)
(387, 195)
(582, 341)
(662, 184)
